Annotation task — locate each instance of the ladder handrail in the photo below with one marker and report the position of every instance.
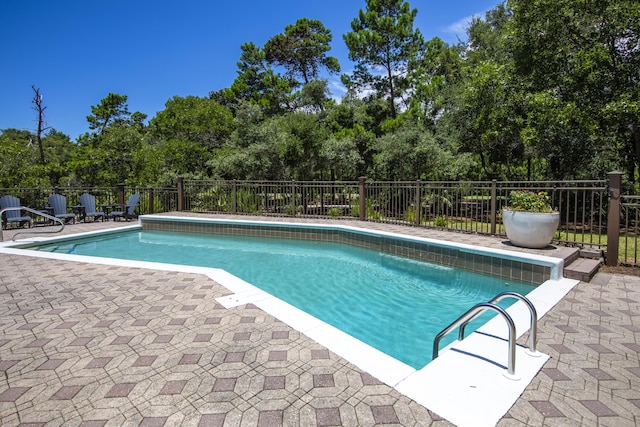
(533, 326)
(39, 213)
(473, 312)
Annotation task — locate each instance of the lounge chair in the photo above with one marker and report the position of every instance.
(59, 205)
(88, 202)
(13, 215)
(128, 210)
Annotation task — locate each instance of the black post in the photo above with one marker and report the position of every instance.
(121, 193)
(180, 194)
(494, 203)
(151, 201)
(234, 196)
(418, 209)
(613, 218)
(363, 197)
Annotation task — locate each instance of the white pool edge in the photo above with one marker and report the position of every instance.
(468, 374)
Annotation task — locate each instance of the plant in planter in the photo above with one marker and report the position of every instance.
(529, 220)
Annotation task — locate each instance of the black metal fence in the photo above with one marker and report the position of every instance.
(474, 207)
(462, 206)
(272, 197)
(629, 230)
(152, 200)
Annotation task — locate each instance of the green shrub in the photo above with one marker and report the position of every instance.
(440, 221)
(410, 214)
(529, 201)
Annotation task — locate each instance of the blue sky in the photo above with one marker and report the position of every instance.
(77, 51)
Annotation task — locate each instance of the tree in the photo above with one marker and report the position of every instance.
(19, 166)
(39, 107)
(253, 150)
(435, 75)
(487, 107)
(586, 55)
(300, 151)
(489, 116)
(58, 149)
(302, 49)
(383, 37)
(108, 162)
(199, 120)
(105, 157)
(113, 110)
(256, 83)
(341, 157)
(410, 153)
(314, 97)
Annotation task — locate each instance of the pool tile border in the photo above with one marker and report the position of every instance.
(441, 253)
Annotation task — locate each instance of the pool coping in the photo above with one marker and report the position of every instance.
(470, 371)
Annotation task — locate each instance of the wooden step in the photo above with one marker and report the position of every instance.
(582, 269)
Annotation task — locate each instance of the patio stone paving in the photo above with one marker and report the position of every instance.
(86, 344)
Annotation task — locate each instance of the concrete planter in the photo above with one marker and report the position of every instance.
(530, 229)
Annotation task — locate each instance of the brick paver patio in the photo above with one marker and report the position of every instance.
(87, 344)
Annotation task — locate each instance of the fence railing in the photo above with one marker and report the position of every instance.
(587, 208)
(152, 200)
(629, 230)
(271, 197)
(462, 206)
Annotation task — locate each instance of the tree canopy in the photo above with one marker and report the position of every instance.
(383, 37)
(540, 89)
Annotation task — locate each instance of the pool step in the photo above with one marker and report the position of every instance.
(581, 264)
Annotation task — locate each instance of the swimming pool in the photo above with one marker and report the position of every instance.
(469, 371)
(395, 304)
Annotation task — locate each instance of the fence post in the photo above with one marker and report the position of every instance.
(152, 201)
(363, 198)
(418, 204)
(121, 193)
(613, 218)
(234, 196)
(180, 194)
(293, 197)
(494, 203)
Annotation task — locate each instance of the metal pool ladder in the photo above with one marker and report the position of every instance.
(33, 211)
(480, 308)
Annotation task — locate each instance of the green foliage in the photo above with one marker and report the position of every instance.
(248, 202)
(341, 157)
(257, 83)
(313, 97)
(529, 201)
(585, 57)
(542, 89)
(441, 221)
(113, 111)
(107, 159)
(19, 160)
(410, 153)
(199, 120)
(334, 212)
(410, 214)
(435, 74)
(299, 151)
(383, 37)
(370, 211)
(302, 50)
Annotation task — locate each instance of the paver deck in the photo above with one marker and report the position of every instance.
(87, 344)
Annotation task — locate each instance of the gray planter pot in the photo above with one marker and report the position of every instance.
(530, 229)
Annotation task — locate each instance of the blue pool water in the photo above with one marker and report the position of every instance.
(393, 304)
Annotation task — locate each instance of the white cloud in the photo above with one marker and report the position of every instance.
(337, 89)
(459, 28)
